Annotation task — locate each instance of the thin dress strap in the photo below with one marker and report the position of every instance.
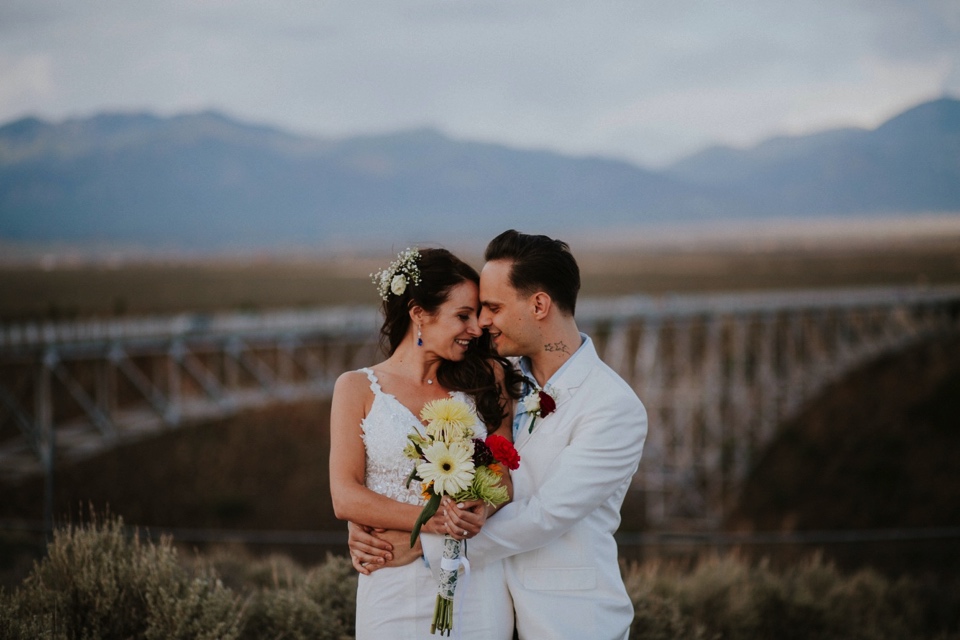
(374, 383)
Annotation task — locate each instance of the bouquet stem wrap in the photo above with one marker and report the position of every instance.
(449, 572)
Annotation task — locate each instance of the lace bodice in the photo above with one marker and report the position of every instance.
(385, 431)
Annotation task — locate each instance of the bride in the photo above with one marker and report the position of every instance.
(435, 349)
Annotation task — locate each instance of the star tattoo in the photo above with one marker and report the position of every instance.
(556, 346)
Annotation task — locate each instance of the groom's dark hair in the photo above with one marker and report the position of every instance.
(539, 263)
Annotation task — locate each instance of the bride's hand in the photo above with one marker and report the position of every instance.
(463, 520)
(436, 524)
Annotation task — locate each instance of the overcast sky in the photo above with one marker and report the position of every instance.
(649, 81)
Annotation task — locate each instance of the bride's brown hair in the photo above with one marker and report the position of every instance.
(439, 272)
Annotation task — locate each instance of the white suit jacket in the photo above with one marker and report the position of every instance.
(556, 537)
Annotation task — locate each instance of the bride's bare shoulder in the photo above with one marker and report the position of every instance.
(352, 384)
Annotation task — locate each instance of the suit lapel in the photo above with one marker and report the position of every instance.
(565, 386)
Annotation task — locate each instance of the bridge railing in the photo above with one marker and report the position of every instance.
(28, 337)
(717, 372)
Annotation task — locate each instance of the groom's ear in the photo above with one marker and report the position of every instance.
(542, 303)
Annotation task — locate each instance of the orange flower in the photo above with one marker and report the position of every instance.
(425, 488)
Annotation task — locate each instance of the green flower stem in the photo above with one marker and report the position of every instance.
(428, 510)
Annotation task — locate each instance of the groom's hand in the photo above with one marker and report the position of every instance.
(403, 553)
(368, 552)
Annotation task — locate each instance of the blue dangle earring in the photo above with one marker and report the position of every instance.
(419, 337)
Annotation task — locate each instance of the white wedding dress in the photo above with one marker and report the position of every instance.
(399, 602)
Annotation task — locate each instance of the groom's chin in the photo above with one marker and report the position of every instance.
(503, 352)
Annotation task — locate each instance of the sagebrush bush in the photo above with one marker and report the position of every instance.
(657, 613)
(729, 598)
(286, 601)
(101, 582)
(242, 571)
(98, 581)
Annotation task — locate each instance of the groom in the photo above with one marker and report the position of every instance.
(577, 460)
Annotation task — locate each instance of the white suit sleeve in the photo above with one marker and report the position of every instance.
(603, 454)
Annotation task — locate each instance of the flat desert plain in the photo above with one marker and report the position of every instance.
(68, 283)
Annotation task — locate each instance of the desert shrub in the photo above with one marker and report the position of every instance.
(284, 600)
(317, 604)
(286, 613)
(657, 614)
(99, 581)
(729, 598)
(335, 584)
(244, 572)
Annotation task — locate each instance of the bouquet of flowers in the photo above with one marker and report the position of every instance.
(452, 462)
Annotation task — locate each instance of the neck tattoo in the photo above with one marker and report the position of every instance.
(556, 346)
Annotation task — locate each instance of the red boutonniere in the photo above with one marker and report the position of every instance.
(539, 402)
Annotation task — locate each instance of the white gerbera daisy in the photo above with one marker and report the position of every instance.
(450, 468)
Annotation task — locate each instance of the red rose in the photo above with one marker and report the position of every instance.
(504, 451)
(547, 404)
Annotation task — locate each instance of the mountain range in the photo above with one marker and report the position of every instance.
(206, 181)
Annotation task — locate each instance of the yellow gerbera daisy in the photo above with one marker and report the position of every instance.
(449, 468)
(448, 419)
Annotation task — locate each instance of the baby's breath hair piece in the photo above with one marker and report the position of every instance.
(402, 272)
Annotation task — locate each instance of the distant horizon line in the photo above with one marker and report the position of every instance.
(226, 114)
(752, 234)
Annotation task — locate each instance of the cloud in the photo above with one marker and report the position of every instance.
(647, 81)
(27, 80)
(914, 30)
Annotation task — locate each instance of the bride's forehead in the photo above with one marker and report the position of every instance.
(466, 291)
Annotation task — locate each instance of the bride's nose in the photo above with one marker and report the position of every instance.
(473, 329)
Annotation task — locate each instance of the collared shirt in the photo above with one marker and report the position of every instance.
(522, 418)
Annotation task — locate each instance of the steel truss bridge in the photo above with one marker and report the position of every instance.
(718, 374)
